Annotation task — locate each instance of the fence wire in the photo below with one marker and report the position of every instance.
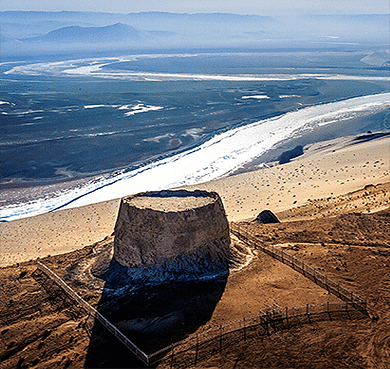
(214, 340)
(300, 266)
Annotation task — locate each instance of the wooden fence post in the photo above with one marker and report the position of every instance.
(172, 357)
(244, 331)
(308, 312)
(287, 316)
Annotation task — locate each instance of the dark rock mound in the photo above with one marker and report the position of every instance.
(287, 155)
(266, 217)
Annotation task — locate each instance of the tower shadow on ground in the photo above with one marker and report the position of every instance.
(152, 316)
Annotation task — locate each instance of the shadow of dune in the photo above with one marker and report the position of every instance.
(151, 315)
(370, 136)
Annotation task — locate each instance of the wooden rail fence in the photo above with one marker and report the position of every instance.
(265, 320)
(300, 266)
(212, 341)
(93, 312)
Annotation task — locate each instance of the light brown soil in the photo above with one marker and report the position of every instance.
(334, 206)
(43, 329)
(326, 171)
(353, 249)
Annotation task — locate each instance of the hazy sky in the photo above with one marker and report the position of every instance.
(261, 7)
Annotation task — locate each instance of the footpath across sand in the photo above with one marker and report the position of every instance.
(326, 170)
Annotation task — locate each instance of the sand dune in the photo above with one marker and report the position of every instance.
(325, 171)
(327, 189)
(328, 169)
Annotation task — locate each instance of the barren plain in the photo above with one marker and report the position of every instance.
(334, 207)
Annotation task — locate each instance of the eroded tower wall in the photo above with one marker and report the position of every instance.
(171, 228)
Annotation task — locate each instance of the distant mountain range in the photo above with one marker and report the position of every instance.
(34, 33)
(118, 32)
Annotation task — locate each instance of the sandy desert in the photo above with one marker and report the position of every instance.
(333, 203)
